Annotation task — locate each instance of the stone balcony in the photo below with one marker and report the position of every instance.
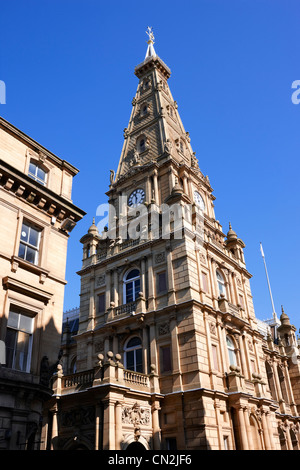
(109, 372)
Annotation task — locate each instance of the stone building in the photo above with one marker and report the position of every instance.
(168, 353)
(36, 217)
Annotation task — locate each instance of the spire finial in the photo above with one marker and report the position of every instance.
(150, 51)
(150, 34)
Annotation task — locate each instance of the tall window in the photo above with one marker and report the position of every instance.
(161, 282)
(37, 173)
(132, 286)
(231, 351)
(18, 341)
(133, 355)
(221, 284)
(29, 243)
(165, 359)
(142, 145)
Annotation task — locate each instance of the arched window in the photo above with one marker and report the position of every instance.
(255, 433)
(132, 285)
(231, 351)
(142, 145)
(133, 354)
(271, 382)
(221, 284)
(37, 173)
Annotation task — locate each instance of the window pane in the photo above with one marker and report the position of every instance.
(129, 292)
(10, 340)
(33, 237)
(30, 255)
(130, 360)
(32, 168)
(137, 288)
(139, 361)
(133, 342)
(26, 323)
(133, 273)
(41, 174)
(25, 233)
(22, 250)
(13, 319)
(22, 351)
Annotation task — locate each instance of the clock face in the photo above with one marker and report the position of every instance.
(136, 197)
(199, 201)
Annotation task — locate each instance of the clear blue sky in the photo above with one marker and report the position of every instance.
(68, 68)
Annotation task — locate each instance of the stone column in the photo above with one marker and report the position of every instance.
(145, 343)
(248, 428)
(241, 354)
(108, 287)
(270, 427)
(153, 351)
(242, 429)
(171, 290)
(116, 288)
(155, 184)
(155, 426)
(151, 300)
(119, 435)
(288, 437)
(54, 433)
(143, 276)
(265, 432)
(278, 388)
(109, 425)
(97, 426)
(177, 382)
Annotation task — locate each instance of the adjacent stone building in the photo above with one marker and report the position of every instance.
(168, 353)
(36, 217)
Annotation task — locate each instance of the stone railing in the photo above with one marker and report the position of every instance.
(125, 308)
(107, 372)
(131, 308)
(136, 378)
(78, 379)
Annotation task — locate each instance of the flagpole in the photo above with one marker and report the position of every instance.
(263, 256)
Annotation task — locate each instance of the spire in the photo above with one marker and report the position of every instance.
(283, 317)
(155, 131)
(231, 235)
(93, 228)
(150, 50)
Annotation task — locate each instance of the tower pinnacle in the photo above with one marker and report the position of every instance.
(150, 50)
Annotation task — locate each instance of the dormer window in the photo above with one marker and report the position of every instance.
(37, 173)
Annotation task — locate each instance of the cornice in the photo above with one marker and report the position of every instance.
(43, 198)
(36, 146)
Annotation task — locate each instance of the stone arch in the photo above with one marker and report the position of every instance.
(130, 440)
(78, 443)
(294, 439)
(255, 432)
(282, 439)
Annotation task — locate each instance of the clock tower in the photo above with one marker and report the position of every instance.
(168, 353)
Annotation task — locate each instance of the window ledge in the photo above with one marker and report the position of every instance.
(41, 272)
(27, 289)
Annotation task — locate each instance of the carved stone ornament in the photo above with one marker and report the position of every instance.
(212, 328)
(136, 415)
(164, 329)
(159, 257)
(101, 280)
